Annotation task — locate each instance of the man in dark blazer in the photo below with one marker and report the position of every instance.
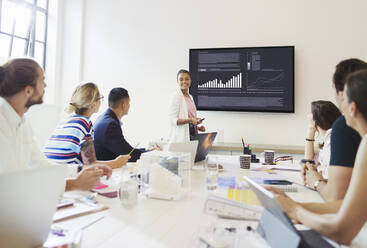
(109, 140)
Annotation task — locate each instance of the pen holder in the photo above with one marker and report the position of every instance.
(246, 150)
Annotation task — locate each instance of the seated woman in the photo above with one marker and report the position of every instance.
(343, 220)
(72, 140)
(182, 112)
(323, 114)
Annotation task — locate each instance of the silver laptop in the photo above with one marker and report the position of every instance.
(28, 203)
(190, 146)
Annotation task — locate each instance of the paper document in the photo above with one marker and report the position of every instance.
(77, 210)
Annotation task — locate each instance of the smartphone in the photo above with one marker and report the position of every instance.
(277, 182)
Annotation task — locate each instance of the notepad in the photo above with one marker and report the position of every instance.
(78, 209)
(246, 196)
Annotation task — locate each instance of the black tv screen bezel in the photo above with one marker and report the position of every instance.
(244, 109)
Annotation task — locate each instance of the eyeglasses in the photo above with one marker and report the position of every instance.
(101, 97)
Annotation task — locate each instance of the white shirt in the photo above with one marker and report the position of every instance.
(178, 110)
(18, 149)
(324, 155)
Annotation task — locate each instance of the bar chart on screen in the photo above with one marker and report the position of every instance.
(234, 82)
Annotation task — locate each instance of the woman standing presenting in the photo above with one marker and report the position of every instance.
(182, 112)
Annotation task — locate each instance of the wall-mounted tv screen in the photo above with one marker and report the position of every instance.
(256, 79)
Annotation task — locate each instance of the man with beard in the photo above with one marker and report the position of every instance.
(22, 86)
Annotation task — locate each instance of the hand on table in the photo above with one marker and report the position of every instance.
(157, 148)
(311, 175)
(107, 171)
(89, 177)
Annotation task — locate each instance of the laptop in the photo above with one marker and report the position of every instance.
(277, 229)
(28, 202)
(190, 147)
(205, 143)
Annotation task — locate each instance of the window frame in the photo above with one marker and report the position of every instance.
(30, 40)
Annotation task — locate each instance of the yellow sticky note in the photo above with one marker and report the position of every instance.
(244, 196)
(238, 195)
(230, 194)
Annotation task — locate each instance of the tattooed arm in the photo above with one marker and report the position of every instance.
(88, 155)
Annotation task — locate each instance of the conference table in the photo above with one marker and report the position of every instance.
(162, 223)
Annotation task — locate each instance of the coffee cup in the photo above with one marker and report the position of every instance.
(269, 156)
(245, 161)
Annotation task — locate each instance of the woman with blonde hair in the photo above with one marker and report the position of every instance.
(72, 141)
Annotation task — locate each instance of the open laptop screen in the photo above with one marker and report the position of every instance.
(205, 143)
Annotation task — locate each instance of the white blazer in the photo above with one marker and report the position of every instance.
(178, 110)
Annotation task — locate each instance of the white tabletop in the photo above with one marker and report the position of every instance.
(160, 223)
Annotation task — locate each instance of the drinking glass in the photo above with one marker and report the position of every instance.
(128, 193)
(211, 174)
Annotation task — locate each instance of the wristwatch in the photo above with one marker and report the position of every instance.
(316, 184)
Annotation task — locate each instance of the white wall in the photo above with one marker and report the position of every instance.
(140, 45)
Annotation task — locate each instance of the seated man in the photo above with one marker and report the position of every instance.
(21, 86)
(109, 141)
(344, 143)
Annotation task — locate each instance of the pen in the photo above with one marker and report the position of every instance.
(58, 231)
(133, 149)
(243, 143)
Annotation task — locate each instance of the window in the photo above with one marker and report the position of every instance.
(23, 29)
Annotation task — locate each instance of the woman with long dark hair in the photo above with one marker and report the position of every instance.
(323, 114)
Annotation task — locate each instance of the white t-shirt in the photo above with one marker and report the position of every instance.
(18, 149)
